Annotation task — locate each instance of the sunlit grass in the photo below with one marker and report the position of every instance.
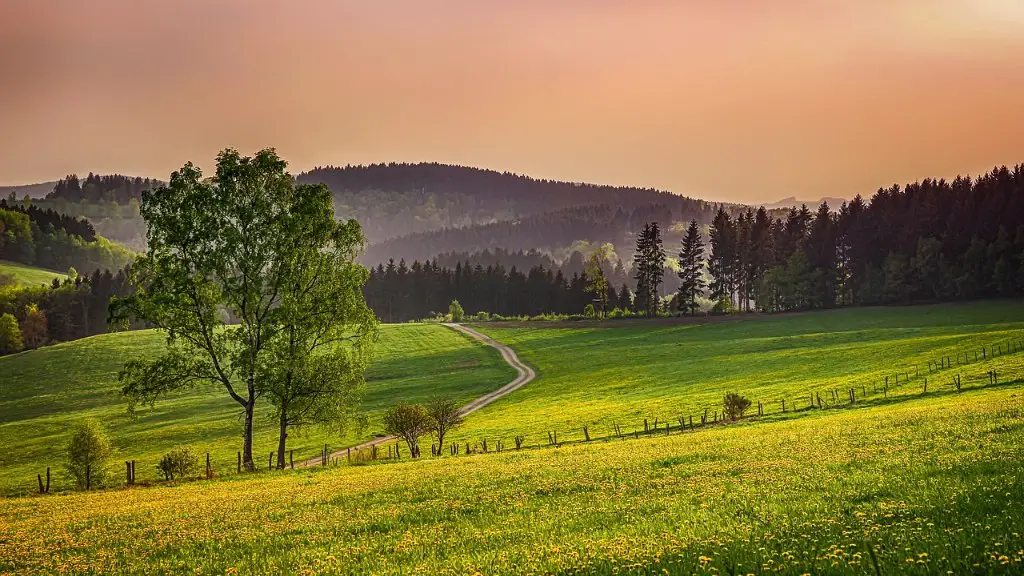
(43, 392)
(28, 275)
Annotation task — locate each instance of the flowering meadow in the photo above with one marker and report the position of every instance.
(930, 485)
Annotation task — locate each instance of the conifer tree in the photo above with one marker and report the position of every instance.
(691, 261)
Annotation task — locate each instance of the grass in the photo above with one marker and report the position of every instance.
(924, 486)
(904, 481)
(27, 275)
(623, 372)
(43, 392)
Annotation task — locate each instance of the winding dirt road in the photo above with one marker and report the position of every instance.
(524, 374)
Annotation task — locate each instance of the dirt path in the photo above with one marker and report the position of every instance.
(524, 374)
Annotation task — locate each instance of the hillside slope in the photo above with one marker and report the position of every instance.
(43, 392)
(23, 275)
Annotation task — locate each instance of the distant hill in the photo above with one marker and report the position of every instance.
(392, 200)
(792, 202)
(417, 211)
(30, 190)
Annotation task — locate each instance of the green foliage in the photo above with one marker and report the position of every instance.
(409, 422)
(178, 463)
(456, 312)
(10, 335)
(597, 284)
(691, 269)
(87, 454)
(722, 306)
(444, 415)
(268, 253)
(588, 311)
(734, 405)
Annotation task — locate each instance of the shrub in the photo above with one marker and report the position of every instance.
(483, 316)
(589, 312)
(87, 453)
(10, 335)
(456, 311)
(735, 405)
(615, 313)
(409, 422)
(723, 306)
(179, 463)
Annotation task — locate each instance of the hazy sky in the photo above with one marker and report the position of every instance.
(743, 100)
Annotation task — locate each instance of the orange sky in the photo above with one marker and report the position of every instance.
(742, 100)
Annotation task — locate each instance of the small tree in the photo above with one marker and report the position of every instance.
(735, 405)
(456, 311)
(409, 422)
(10, 335)
(33, 327)
(88, 452)
(179, 462)
(445, 416)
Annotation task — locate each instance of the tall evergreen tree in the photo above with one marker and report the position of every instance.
(691, 264)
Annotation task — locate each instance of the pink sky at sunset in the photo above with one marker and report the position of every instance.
(739, 100)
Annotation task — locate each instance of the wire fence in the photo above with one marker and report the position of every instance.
(950, 371)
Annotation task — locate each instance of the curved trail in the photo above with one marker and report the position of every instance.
(524, 374)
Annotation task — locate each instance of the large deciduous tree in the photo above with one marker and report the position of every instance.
(228, 260)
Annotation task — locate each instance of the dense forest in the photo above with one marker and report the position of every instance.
(68, 310)
(551, 232)
(106, 188)
(929, 241)
(47, 239)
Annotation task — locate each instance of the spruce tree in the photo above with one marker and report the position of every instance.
(691, 259)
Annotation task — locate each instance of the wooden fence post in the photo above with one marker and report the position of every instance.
(239, 462)
(291, 459)
(88, 476)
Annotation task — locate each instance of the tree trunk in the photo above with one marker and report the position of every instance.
(282, 439)
(247, 462)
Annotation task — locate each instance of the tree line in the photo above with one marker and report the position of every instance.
(63, 311)
(929, 241)
(101, 188)
(47, 239)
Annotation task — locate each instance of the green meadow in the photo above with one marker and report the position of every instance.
(43, 392)
(28, 275)
(901, 480)
(622, 372)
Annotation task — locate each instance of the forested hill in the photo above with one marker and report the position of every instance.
(553, 232)
(392, 200)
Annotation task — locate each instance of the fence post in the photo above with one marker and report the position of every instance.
(48, 476)
(291, 459)
(88, 476)
(39, 477)
(239, 462)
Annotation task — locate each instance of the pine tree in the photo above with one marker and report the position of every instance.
(691, 261)
(642, 272)
(722, 264)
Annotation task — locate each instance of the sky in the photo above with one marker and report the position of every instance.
(732, 100)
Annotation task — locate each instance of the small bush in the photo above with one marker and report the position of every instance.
(456, 312)
(87, 453)
(178, 463)
(735, 405)
(589, 311)
(483, 316)
(723, 306)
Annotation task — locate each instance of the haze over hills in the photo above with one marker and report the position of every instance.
(31, 190)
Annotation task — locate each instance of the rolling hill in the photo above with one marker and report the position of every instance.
(903, 478)
(23, 275)
(43, 392)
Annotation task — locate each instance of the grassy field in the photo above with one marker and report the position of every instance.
(927, 486)
(27, 275)
(43, 392)
(609, 373)
(899, 481)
